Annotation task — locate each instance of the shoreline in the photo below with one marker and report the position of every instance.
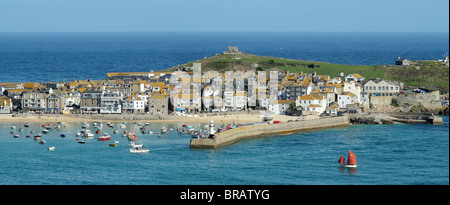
(237, 118)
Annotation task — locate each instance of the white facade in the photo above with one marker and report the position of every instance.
(110, 103)
(381, 88)
(346, 98)
(134, 104)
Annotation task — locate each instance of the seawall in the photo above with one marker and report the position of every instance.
(245, 132)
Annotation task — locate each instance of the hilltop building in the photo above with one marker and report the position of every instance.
(233, 50)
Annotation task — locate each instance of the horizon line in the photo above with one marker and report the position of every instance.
(224, 31)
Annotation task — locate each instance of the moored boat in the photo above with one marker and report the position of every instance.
(105, 136)
(88, 133)
(16, 136)
(134, 145)
(62, 135)
(42, 141)
(37, 136)
(164, 130)
(50, 148)
(45, 131)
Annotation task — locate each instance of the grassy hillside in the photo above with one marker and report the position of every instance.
(432, 75)
(426, 74)
(247, 62)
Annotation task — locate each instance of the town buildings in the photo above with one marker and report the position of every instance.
(161, 93)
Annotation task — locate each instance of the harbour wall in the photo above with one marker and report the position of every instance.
(252, 131)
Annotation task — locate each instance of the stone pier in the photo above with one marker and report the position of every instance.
(252, 131)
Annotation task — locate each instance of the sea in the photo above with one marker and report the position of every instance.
(398, 154)
(42, 57)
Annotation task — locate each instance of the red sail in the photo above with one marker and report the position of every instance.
(351, 158)
(342, 159)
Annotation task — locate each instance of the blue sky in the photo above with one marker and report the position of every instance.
(224, 15)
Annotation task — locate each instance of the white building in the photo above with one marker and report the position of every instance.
(110, 103)
(134, 104)
(381, 88)
(280, 107)
(354, 77)
(346, 98)
(313, 102)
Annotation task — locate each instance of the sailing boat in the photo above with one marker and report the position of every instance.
(131, 135)
(351, 161)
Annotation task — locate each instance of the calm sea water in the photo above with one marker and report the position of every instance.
(386, 155)
(43, 57)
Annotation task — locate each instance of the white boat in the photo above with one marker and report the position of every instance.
(85, 125)
(123, 126)
(139, 150)
(88, 133)
(13, 127)
(134, 145)
(50, 148)
(45, 131)
(116, 142)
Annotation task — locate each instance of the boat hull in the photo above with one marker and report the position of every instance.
(139, 150)
(103, 138)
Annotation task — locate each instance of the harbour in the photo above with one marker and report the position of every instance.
(301, 158)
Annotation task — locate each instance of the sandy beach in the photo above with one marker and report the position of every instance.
(238, 118)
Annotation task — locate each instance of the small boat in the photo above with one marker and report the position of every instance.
(42, 141)
(113, 145)
(123, 126)
(351, 161)
(116, 142)
(13, 127)
(16, 136)
(164, 130)
(50, 148)
(26, 125)
(134, 145)
(28, 136)
(139, 150)
(45, 131)
(88, 134)
(77, 138)
(105, 136)
(37, 136)
(78, 134)
(62, 135)
(81, 142)
(160, 136)
(97, 131)
(115, 131)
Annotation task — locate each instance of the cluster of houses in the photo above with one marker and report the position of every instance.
(162, 93)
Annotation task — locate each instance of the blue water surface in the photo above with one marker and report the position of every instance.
(398, 154)
(40, 57)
